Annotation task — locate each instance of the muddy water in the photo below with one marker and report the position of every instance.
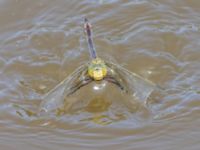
(42, 42)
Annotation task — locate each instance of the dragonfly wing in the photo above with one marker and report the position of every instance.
(131, 82)
(55, 97)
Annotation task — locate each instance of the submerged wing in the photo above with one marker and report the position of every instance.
(130, 82)
(55, 97)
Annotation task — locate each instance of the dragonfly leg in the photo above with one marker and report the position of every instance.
(78, 85)
(116, 82)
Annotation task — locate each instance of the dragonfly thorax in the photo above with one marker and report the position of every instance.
(97, 69)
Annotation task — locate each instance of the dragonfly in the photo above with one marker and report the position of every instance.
(97, 70)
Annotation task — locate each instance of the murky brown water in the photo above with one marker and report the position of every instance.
(42, 42)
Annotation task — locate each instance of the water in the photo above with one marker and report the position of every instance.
(42, 42)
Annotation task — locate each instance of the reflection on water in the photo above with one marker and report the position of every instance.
(98, 105)
(42, 42)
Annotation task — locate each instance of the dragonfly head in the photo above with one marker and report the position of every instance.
(97, 69)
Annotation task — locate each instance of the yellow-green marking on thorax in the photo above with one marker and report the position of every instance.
(97, 69)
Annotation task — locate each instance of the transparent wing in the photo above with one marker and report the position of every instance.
(131, 82)
(55, 97)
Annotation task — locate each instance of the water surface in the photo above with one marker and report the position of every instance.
(42, 42)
